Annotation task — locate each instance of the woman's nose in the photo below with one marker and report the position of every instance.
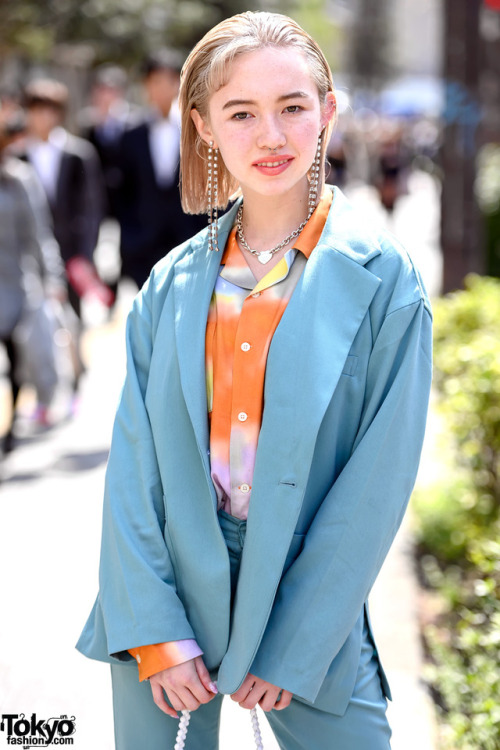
(271, 135)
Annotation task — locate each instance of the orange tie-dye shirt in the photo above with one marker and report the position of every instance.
(242, 319)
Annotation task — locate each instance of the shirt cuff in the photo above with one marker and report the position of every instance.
(159, 656)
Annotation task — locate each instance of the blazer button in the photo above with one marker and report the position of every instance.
(242, 416)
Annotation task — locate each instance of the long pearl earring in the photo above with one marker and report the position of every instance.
(314, 182)
(213, 198)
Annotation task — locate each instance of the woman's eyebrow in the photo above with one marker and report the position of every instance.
(294, 95)
(238, 103)
(250, 102)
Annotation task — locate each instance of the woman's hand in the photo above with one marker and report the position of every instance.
(254, 690)
(187, 686)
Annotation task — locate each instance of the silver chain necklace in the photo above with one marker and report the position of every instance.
(264, 256)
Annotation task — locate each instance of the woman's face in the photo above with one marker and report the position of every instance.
(266, 121)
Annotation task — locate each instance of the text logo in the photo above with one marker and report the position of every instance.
(35, 732)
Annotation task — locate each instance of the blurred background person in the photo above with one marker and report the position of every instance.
(392, 165)
(152, 220)
(69, 171)
(10, 101)
(103, 123)
(337, 160)
(31, 270)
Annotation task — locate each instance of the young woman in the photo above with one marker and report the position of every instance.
(270, 426)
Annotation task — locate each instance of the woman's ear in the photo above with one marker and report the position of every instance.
(202, 126)
(329, 109)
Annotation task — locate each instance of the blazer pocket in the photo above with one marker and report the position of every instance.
(294, 550)
(350, 366)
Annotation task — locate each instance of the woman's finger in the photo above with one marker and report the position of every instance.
(199, 693)
(187, 699)
(204, 676)
(245, 688)
(159, 699)
(268, 700)
(284, 700)
(254, 696)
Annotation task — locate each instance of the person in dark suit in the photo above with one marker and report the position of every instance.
(69, 170)
(152, 220)
(103, 123)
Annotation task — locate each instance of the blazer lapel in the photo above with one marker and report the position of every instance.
(195, 277)
(306, 359)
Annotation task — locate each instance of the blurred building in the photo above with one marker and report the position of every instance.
(384, 40)
(417, 36)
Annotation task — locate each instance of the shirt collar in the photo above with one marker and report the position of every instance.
(309, 237)
(236, 269)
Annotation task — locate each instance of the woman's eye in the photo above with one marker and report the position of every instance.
(241, 116)
(293, 108)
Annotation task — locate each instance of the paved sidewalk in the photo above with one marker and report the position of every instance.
(50, 517)
(394, 600)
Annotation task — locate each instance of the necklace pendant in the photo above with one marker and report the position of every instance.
(264, 257)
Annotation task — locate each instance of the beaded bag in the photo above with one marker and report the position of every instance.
(184, 723)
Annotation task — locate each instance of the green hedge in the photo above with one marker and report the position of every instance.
(458, 520)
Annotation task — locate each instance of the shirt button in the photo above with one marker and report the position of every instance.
(242, 416)
(245, 488)
(257, 294)
(138, 659)
(245, 347)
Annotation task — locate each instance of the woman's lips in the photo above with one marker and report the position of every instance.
(272, 165)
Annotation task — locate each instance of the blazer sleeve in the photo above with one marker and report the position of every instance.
(322, 594)
(137, 589)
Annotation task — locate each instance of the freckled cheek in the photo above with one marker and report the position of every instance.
(307, 141)
(235, 149)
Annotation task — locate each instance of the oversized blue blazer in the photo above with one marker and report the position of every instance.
(346, 393)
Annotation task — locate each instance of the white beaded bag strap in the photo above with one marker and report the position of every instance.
(184, 723)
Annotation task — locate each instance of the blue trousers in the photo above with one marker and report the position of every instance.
(140, 725)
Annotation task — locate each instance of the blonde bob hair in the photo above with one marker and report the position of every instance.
(206, 71)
